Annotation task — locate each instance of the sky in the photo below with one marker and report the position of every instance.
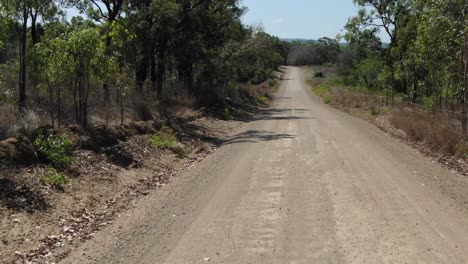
(307, 19)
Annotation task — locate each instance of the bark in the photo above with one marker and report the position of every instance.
(22, 68)
(34, 36)
(161, 70)
(189, 78)
(465, 85)
(153, 69)
(141, 74)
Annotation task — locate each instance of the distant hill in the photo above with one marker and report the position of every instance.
(298, 39)
(290, 40)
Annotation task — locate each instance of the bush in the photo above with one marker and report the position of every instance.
(429, 103)
(55, 148)
(263, 99)
(55, 178)
(327, 99)
(319, 75)
(164, 139)
(272, 83)
(321, 89)
(227, 115)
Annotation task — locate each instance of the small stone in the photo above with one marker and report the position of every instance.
(206, 259)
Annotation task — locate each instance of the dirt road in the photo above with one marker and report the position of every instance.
(303, 183)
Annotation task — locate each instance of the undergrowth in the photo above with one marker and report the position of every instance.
(56, 148)
(55, 178)
(164, 139)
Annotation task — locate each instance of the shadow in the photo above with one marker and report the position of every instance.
(280, 114)
(244, 113)
(283, 98)
(253, 136)
(20, 197)
(191, 131)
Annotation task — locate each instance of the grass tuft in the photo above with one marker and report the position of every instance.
(55, 178)
(164, 139)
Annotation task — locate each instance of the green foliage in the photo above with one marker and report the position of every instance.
(227, 115)
(164, 139)
(56, 148)
(55, 178)
(327, 99)
(321, 89)
(429, 103)
(263, 99)
(367, 72)
(272, 83)
(323, 51)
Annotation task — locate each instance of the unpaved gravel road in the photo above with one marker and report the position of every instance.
(303, 183)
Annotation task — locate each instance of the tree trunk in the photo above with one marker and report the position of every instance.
(465, 85)
(105, 85)
(161, 71)
(22, 68)
(189, 78)
(153, 75)
(141, 74)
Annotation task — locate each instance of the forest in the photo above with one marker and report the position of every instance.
(120, 59)
(174, 132)
(426, 61)
(403, 63)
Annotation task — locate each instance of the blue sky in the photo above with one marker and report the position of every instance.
(308, 19)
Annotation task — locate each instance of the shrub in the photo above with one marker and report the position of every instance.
(429, 103)
(327, 99)
(272, 83)
(164, 139)
(321, 89)
(227, 115)
(375, 111)
(319, 75)
(55, 148)
(55, 178)
(263, 99)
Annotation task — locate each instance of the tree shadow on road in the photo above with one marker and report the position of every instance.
(254, 136)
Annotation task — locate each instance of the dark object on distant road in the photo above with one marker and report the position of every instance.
(319, 75)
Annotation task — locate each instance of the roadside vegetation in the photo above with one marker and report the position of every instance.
(99, 109)
(415, 86)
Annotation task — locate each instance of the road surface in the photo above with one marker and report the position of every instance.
(303, 183)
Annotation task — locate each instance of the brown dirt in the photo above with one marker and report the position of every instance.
(40, 224)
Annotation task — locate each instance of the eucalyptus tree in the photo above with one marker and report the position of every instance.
(26, 12)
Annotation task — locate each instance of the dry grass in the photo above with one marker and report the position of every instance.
(8, 117)
(180, 106)
(259, 91)
(440, 131)
(12, 122)
(355, 99)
